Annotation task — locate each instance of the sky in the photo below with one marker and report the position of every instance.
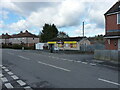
(67, 15)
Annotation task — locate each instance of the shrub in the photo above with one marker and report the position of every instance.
(16, 46)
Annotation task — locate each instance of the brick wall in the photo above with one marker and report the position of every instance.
(111, 44)
(111, 22)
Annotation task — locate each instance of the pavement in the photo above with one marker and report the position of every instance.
(37, 69)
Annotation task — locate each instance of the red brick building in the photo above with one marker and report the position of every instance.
(112, 26)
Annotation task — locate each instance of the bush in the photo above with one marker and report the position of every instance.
(6, 46)
(16, 46)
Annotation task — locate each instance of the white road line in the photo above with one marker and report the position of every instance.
(1, 75)
(10, 53)
(63, 59)
(8, 85)
(14, 77)
(54, 66)
(71, 60)
(6, 70)
(93, 64)
(109, 81)
(3, 67)
(4, 79)
(24, 57)
(10, 73)
(67, 60)
(84, 62)
(28, 88)
(21, 82)
(78, 61)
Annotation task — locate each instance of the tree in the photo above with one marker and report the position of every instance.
(40, 36)
(48, 32)
(62, 35)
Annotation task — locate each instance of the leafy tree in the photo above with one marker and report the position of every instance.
(48, 32)
(62, 35)
(40, 36)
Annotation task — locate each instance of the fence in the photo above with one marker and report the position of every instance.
(111, 55)
(91, 48)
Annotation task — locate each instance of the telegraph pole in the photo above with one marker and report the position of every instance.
(83, 29)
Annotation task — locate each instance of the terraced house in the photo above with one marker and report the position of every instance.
(26, 38)
(112, 23)
(4, 38)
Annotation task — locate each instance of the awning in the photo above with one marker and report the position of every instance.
(70, 42)
(51, 42)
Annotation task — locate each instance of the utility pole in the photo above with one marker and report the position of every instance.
(83, 29)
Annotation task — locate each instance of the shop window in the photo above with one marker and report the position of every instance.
(73, 45)
(60, 45)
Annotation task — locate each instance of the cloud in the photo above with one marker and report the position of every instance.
(89, 30)
(4, 14)
(66, 13)
(1, 24)
(18, 26)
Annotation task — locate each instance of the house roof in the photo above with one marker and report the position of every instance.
(68, 39)
(25, 34)
(114, 8)
(5, 36)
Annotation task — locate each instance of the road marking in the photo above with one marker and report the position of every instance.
(10, 53)
(67, 60)
(21, 82)
(8, 85)
(4, 79)
(84, 62)
(14, 77)
(78, 61)
(54, 66)
(55, 57)
(93, 64)
(3, 67)
(24, 57)
(10, 73)
(6, 70)
(28, 88)
(1, 75)
(109, 81)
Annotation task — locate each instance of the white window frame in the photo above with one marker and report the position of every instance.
(117, 18)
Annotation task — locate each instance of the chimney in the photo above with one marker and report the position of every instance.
(6, 33)
(26, 31)
(21, 32)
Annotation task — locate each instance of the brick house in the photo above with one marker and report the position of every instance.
(112, 26)
(4, 38)
(26, 38)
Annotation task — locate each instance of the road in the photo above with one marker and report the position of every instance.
(28, 69)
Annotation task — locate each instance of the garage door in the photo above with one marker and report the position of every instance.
(118, 44)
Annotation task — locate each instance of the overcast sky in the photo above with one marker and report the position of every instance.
(67, 15)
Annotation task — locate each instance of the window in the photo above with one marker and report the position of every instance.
(118, 18)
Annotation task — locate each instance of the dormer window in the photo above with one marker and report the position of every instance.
(118, 18)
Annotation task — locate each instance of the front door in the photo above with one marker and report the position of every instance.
(118, 44)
